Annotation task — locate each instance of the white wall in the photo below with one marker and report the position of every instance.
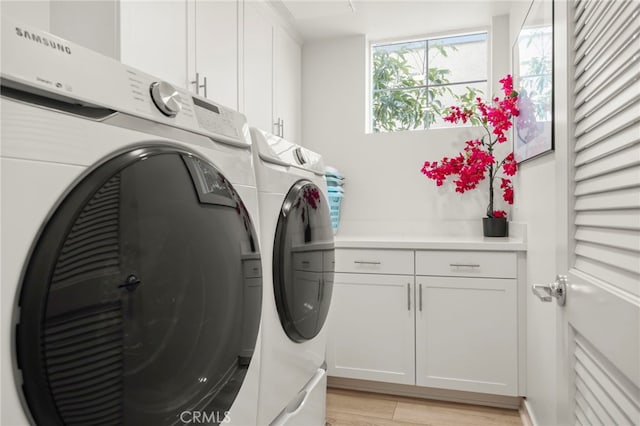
(386, 195)
(535, 204)
(34, 13)
(92, 24)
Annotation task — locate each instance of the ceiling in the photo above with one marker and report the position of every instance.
(387, 19)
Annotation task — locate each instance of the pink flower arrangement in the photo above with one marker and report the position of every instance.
(477, 160)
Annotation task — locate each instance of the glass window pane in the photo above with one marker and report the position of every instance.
(411, 91)
(399, 65)
(446, 96)
(401, 109)
(458, 59)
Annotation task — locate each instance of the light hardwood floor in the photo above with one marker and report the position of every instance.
(352, 408)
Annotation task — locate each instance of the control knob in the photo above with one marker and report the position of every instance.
(166, 98)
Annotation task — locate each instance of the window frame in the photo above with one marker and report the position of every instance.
(422, 38)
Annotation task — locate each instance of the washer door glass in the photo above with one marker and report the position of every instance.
(141, 301)
(303, 262)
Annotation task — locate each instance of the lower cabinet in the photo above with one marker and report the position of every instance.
(466, 334)
(456, 332)
(371, 328)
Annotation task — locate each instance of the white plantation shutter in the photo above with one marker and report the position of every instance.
(607, 141)
(601, 398)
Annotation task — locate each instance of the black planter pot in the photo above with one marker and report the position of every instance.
(495, 226)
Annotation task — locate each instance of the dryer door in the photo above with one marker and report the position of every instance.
(141, 300)
(303, 262)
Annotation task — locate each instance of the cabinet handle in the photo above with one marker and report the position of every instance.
(420, 288)
(278, 126)
(196, 82)
(464, 265)
(408, 296)
(199, 86)
(366, 262)
(282, 128)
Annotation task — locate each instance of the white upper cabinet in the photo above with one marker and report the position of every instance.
(215, 50)
(153, 38)
(288, 85)
(147, 35)
(272, 73)
(239, 53)
(258, 67)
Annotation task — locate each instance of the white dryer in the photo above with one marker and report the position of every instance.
(131, 278)
(298, 264)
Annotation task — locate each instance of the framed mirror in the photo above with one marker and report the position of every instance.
(533, 79)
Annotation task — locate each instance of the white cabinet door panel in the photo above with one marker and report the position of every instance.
(371, 334)
(217, 49)
(258, 68)
(288, 84)
(466, 334)
(153, 38)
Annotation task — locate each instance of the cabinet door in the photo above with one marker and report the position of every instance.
(288, 84)
(154, 38)
(466, 334)
(371, 328)
(216, 49)
(258, 67)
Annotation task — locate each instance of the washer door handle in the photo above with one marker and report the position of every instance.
(132, 282)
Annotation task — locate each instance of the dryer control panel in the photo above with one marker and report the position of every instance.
(276, 150)
(44, 64)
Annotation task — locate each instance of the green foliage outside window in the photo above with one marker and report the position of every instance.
(402, 99)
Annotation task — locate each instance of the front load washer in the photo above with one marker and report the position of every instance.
(298, 263)
(131, 277)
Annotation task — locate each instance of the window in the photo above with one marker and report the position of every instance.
(415, 82)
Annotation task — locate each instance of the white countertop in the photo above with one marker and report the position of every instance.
(433, 243)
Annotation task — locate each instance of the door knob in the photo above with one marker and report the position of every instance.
(557, 289)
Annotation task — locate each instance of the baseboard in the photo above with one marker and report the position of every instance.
(511, 402)
(525, 414)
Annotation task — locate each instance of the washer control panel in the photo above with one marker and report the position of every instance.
(215, 118)
(42, 63)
